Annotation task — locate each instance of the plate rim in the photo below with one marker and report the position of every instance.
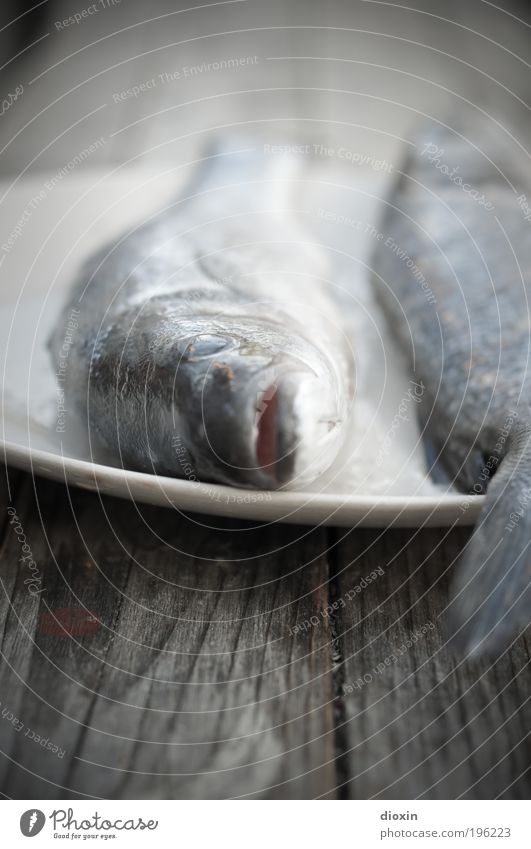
(371, 510)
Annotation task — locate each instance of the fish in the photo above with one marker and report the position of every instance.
(208, 343)
(452, 272)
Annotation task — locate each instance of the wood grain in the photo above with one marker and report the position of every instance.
(169, 659)
(417, 721)
(200, 662)
(182, 678)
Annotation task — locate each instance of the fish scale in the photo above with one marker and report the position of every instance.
(470, 348)
(208, 337)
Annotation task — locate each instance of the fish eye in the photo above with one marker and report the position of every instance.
(208, 345)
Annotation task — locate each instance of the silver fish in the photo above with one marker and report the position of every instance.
(208, 344)
(453, 272)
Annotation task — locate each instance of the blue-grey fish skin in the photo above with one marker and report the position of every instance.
(202, 349)
(453, 273)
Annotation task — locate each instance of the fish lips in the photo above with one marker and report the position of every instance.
(238, 418)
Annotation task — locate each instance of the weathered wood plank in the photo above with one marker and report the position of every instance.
(9, 481)
(417, 721)
(185, 676)
(176, 671)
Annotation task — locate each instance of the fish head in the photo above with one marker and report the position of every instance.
(255, 405)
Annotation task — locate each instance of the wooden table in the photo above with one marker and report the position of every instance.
(170, 660)
(174, 656)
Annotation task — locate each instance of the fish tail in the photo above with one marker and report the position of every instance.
(491, 597)
(236, 161)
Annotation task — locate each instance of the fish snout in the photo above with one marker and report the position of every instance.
(237, 413)
(257, 414)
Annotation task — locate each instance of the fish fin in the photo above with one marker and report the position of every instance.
(491, 595)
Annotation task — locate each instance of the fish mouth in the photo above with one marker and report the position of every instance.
(242, 430)
(296, 429)
(252, 416)
(275, 445)
(283, 436)
(256, 443)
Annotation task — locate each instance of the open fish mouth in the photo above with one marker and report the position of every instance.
(248, 417)
(272, 443)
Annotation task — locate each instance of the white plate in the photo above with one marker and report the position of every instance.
(381, 477)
